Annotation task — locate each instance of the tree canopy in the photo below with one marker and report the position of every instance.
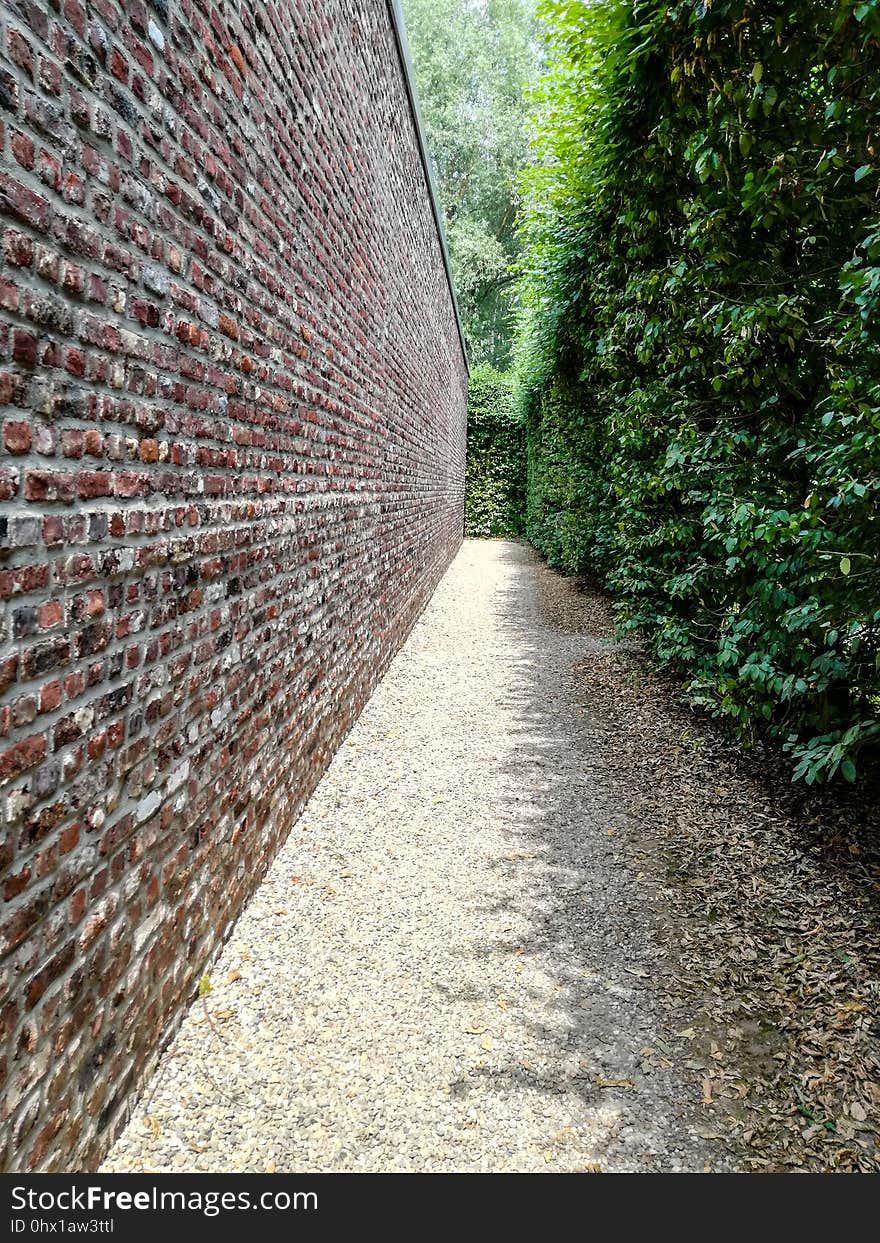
(473, 60)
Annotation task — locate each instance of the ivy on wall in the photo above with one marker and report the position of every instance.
(699, 352)
(495, 485)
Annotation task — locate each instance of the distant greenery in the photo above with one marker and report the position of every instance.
(699, 350)
(495, 483)
(472, 60)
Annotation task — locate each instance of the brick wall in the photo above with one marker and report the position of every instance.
(231, 468)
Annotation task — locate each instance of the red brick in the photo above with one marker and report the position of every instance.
(25, 205)
(92, 483)
(24, 347)
(9, 295)
(69, 838)
(50, 614)
(118, 65)
(50, 696)
(22, 756)
(23, 149)
(9, 668)
(47, 485)
(53, 530)
(17, 437)
(16, 884)
(78, 904)
(128, 484)
(20, 51)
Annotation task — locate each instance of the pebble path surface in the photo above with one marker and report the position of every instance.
(447, 967)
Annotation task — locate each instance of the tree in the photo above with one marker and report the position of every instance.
(473, 60)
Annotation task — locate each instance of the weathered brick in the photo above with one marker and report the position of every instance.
(23, 149)
(50, 696)
(94, 483)
(20, 51)
(23, 204)
(22, 756)
(49, 485)
(24, 347)
(17, 437)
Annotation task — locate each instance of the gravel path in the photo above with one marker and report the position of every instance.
(449, 965)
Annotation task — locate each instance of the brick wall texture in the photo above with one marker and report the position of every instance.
(231, 474)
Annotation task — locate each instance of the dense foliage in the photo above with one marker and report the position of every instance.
(472, 59)
(495, 485)
(699, 353)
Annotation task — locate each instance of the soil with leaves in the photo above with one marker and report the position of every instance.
(771, 911)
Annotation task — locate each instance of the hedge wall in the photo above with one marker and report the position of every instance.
(495, 478)
(700, 354)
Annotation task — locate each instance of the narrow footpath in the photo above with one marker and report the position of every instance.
(454, 962)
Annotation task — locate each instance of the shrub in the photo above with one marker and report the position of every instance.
(495, 479)
(699, 352)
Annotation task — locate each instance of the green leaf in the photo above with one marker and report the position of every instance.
(700, 309)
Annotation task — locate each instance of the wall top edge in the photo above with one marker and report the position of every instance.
(399, 28)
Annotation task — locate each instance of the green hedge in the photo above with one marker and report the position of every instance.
(495, 480)
(699, 354)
